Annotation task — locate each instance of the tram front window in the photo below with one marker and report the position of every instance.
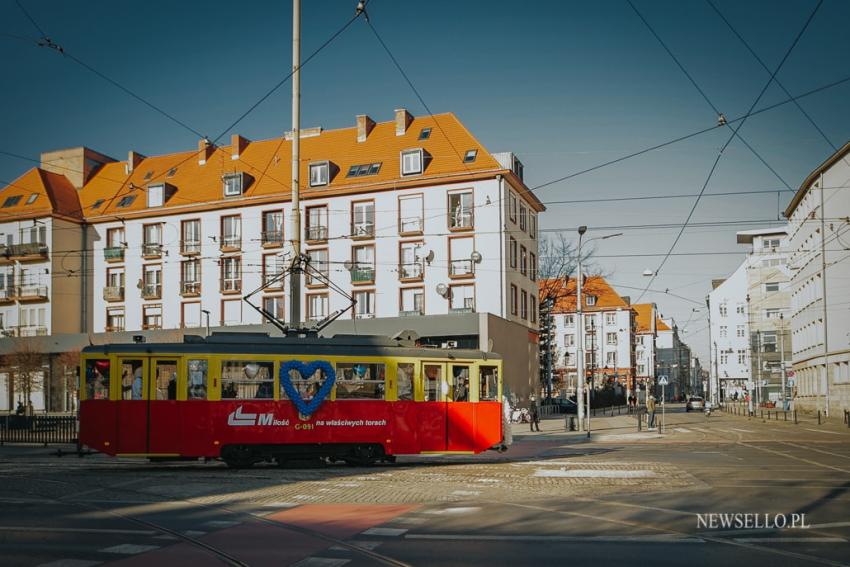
(247, 380)
(97, 379)
(359, 381)
(433, 380)
(404, 379)
(488, 383)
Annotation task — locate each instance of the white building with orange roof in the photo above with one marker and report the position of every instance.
(646, 332)
(608, 336)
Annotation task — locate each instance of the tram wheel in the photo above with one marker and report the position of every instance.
(363, 456)
(238, 457)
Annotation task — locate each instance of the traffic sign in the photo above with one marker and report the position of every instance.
(662, 380)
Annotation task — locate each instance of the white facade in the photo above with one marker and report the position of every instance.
(25, 282)
(819, 231)
(390, 273)
(729, 353)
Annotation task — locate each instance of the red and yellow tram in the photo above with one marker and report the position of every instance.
(246, 398)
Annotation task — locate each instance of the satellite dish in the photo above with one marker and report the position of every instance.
(430, 257)
(442, 289)
(347, 265)
(140, 284)
(475, 256)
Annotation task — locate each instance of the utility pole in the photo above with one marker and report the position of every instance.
(295, 231)
(579, 338)
(782, 354)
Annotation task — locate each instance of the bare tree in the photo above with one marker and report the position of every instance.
(25, 364)
(558, 259)
(70, 363)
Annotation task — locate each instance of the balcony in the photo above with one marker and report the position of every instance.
(152, 250)
(363, 230)
(190, 247)
(28, 252)
(272, 238)
(411, 271)
(32, 331)
(5, 255)
(457, 310)
(32, 293)
(410, 225)
(113, 253)
(190, 289)
(114, 328)
(113, 293)
(10, 332)
(316, 233)
(414, 313)
(7, 295)
(152, 291)
(461, 268)
(231, 243)
(231, 285)
(362, 274)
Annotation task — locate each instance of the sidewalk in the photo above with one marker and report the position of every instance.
(778, 417)
(554, 429)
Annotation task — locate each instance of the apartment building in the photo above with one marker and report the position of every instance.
(608, 332)
(646, 332)
(818, 225)
(673, 360)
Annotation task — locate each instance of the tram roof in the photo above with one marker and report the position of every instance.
(263, 343)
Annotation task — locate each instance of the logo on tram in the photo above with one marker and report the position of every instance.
(238, 418)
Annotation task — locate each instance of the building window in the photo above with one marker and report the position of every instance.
(611, 359)
(512, 209)
(462, 298)
(363, 219)
(770, 244)
(523, 260)
(232, 183)
(569, 340)
(771, 286)
(410, 214)
(152, 288)
(319, 174)
(190, 277)
(412, 301)
(317, 306)
(231, 274)
(190, 314)
(723, 331)
(569, 320)
(114, 319)
(768, 341)
(532, 225)
(523, 215)
(152, 316)
(317, 223)
(724, 357)
(231, 312)
(460, 257)
(272, 228)
(410, 263)
(590, 300)
(411, 162)
(114, 290)
(231, 232)
(273, 304)
(364, 308)
(513, 253)
(361, 170)
(723, 310)
(523, 304)
(610, 319)
(739, 309)
(272, 269)
(611, 339)
(424, 133)
(460, 210)
(125, 201)
(742, 356)
(590, 322)
(514, 301)
(115, 238)
(156, 195)
(152, 240)
(532, 267)
(739, 332)
(772, 313)
(363, 264)
(319, 262)
(470, 156)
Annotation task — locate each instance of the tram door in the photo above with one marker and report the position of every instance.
(148, 419)
(433, 410)
(460, 426)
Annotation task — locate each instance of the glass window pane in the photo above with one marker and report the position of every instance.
(359, 381)
(196, 379)
(97, 379)
(247, 380)
(404, 381)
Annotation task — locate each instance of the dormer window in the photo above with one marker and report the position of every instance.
(319, 173)
(126, 201)
(31, 199)
(518, 168)
(470, 156)
(411, 162)
(156, 195)
(425, 133)
(232, 184)
(97, 204)
(590, 300)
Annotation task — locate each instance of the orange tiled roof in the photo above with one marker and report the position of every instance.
(661, 325)
(643, 317)
(565, 295)
(53, 194)
(268, 163)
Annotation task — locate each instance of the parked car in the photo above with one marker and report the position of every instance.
(562, 405)
(695, 403)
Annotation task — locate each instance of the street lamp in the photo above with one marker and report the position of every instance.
(580, 372)
(206, 313)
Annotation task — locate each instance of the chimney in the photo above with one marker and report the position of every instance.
(627, 299)
(205, 149)
(237, 145)
(364, 126)
(402, 120)
(133, 161)
(76, 164)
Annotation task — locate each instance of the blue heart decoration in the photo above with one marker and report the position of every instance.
(307, 370)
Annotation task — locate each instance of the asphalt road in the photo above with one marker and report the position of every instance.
(619, 498)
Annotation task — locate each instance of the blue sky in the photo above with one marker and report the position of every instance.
(565, 85)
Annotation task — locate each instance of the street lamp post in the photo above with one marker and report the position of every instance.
(782, 354)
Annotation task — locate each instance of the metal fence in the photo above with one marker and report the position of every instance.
(38, 429)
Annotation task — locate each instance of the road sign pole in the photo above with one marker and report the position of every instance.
(663, 397)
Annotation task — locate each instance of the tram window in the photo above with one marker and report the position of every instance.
(359, 381)
(97, 379)
(247, 380)
(433, 378)
(165, 380)
(131, 379)
(488, 380)
(404, 379)
(460, 383)
(306, 387)
(196, 380)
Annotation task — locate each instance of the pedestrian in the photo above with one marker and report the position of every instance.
(650, 408)
(20, 409)
(533, 413)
